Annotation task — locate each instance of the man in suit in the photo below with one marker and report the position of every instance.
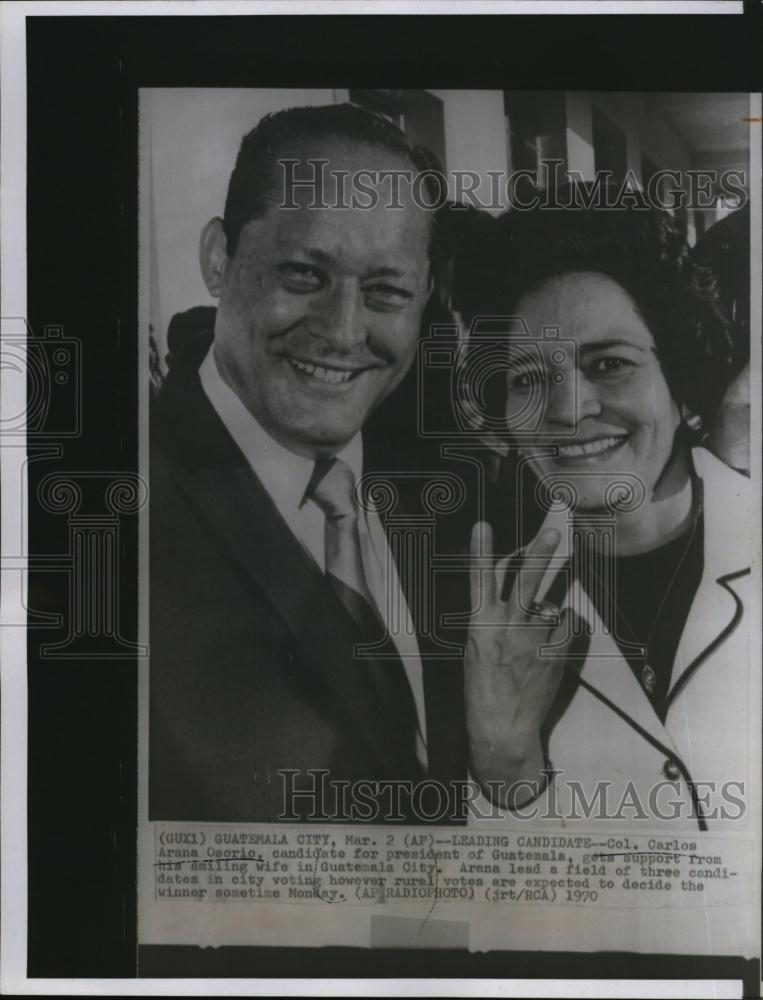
(266, 574)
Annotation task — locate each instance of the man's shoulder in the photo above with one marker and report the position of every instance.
(184, 428)
(189, 338)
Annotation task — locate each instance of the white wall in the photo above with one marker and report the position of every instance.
(475, 135)
(580, 153)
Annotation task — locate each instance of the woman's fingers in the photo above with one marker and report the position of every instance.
(534, 566)
(482, 588)
(501, 569)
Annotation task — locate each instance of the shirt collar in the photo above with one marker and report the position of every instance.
(283, 473)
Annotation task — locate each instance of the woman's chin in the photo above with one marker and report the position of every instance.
(615, 493)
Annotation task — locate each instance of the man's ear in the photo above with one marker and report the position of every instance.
(213, 256)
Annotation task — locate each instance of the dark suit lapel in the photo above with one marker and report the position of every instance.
(217, 482)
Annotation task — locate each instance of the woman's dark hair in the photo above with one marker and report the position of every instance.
(642, 248)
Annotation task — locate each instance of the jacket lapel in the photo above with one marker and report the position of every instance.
(221, 487)
(716, 607)
(606, 671)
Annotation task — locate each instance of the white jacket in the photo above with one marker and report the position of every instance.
(610, 733)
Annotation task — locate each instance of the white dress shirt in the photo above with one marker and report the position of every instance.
(285, 475)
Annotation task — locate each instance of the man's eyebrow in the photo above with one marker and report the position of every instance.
(318, 255)
(387, 272)
(321, 257)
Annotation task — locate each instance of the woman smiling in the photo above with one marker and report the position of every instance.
(609, 653)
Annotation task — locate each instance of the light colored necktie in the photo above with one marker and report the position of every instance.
(332, 487)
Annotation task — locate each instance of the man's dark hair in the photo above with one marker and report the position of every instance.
(253, 184)
(643, 249)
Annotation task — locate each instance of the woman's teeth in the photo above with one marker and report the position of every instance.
(332, 375)
(589, 448)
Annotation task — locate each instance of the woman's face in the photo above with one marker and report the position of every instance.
(604, 405)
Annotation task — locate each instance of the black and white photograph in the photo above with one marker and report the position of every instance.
(382, 504)
(449, 427)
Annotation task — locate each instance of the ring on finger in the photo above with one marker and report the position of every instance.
(547, 611)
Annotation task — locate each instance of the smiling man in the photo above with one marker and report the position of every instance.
(319, 307)
(266, 572)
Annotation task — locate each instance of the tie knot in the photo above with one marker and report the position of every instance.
(332, 487)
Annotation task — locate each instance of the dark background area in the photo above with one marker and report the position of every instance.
(83, 78)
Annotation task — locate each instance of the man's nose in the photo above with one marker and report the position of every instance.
(570, 398)
(338, 316)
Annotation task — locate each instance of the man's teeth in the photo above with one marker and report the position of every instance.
(589, 448)
(332, 375)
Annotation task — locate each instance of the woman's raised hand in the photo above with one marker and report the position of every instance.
(508, 685)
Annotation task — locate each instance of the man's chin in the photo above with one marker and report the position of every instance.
(321, 441)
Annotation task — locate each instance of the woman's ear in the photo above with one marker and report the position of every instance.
(213, 256)
(691, 420)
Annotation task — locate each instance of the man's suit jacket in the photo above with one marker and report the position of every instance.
(251, 653)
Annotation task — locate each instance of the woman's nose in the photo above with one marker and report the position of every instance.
(570, 398)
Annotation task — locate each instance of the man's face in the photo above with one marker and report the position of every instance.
(319, 309)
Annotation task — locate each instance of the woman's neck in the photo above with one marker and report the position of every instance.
(663, 517)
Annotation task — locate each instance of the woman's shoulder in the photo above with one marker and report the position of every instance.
(728, 512)
(711, 469)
